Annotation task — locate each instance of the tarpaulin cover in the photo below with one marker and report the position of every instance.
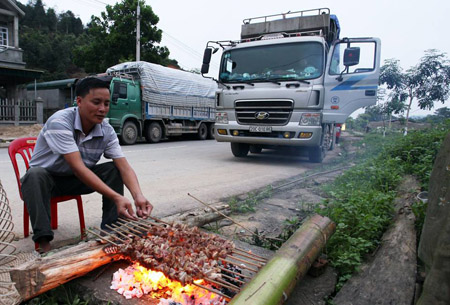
(162, 85)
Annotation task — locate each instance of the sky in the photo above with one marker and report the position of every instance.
(406, 28)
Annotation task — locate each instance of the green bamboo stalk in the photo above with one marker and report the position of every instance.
(275, 281)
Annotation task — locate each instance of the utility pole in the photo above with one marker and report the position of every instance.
(138, 33)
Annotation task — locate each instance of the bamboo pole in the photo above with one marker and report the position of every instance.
(275, 281)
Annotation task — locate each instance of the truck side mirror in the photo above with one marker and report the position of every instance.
(351, 56)
(206, 60)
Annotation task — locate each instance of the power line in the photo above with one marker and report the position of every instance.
(183, 44)
(188, 50)
(101, 2)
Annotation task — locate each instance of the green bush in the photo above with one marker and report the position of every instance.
(360, 201)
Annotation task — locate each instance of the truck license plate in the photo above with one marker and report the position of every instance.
(260, 128)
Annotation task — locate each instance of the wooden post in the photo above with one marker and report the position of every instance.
(275, 281)
(42, 274)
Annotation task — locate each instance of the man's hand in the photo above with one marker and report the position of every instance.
(124, 208)
(143, 206)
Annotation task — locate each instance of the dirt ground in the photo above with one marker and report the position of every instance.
(10, 132)
(295, 197)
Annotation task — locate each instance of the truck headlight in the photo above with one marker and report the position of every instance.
(310, 119)
(221, 117)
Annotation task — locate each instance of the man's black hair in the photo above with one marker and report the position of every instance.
(84, 85)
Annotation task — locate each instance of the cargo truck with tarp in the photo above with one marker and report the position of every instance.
(289, 80)
(156, 102)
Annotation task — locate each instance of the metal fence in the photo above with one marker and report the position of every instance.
(20, 111)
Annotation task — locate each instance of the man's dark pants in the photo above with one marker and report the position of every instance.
(39, 186)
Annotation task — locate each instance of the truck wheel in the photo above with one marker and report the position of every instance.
(255, 149)
(316, 154)
(129, 133)
(153, 133)
(240, 150)
(333, 138)
(211, 131)
(202, 133)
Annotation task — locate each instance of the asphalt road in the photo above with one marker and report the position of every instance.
(167, 171)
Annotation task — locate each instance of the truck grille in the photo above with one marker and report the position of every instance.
(265, 112)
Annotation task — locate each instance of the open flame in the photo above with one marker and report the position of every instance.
(136, 281)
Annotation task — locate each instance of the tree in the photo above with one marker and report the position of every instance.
(47, 42)
(392, 76)
(69, 24)
(443, 112)
(112, 37)
(427, 82)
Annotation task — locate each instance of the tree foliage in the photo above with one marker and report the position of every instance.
(427, 82)
(430, 79)
(112, 37)
(443, 112)
(61, 46)
(48, 40)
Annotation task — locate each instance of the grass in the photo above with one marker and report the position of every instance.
(62, 295)
(248, 204)
(361, 200)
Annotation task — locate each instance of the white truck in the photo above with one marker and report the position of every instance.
(289, 80)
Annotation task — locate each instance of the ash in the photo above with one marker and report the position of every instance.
(192, 301)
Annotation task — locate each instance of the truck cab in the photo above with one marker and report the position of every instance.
(288, 81)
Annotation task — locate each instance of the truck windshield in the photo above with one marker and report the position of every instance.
(288, 61)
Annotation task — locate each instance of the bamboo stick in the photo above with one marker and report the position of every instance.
(223, 282)
(241, 266)
(141, 226)
(249, 253)
(124, 231)
(151, 223)
(244, 261)
(232, 278)
(102, 238)
(118, 232)
(126, 224)
(226, 285)
(159, 220)
(234, 272)
(250, 257)
(212, 290)
(109, 234)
